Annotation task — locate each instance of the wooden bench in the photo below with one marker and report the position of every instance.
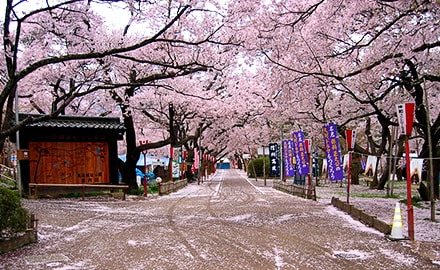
(82, 186)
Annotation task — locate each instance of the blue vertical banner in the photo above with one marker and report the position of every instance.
(274, 158)
(302, 159)
(288, 158)
(333, 152)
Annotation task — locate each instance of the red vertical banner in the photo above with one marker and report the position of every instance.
(350, 138)
(196, 158)
(308, 145)
(405, 116)
(195, 165)
(171, 163)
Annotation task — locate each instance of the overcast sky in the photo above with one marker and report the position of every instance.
(115, 16)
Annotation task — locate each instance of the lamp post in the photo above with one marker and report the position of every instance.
(430, 154)
(264, 166)
(17, 119)
(281, 155)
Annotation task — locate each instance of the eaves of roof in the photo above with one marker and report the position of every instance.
(78, 122)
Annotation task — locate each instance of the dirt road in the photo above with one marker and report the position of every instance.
(225, 223)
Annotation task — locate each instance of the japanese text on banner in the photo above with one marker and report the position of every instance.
(288, 157)
(274, 154)
(333, 152)
(302, 159)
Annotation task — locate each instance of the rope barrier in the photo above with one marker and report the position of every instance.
(387, 156)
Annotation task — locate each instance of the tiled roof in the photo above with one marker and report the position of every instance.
(78, 122)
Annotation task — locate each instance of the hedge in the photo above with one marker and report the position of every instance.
(13, 217)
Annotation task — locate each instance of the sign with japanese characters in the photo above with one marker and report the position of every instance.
(333, 152)
(288, 158)
(302, 159)
(274, 158)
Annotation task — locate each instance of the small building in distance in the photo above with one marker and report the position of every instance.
(224, 163)
(70, 150)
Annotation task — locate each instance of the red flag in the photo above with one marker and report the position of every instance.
(308, 145)
(350, 138)
(405, 116)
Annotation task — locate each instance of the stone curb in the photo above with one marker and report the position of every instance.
(359, 214)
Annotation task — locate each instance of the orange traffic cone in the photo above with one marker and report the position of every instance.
(397, 228)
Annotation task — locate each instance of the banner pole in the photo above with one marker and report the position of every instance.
(408, 188)
(348, 176)
(282, 179)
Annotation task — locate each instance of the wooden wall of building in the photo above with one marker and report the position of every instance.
(69, 162)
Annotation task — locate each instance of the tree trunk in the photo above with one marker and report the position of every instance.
(384, 178)
(355, 169)
(129, 170)
(436, 179)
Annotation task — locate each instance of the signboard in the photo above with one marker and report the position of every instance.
(183, 166)
(405, 116)
(302, 159)
(23, 154)
(69, 162)
(274, 158)
(141, 142)
(333, 152)
(176, 169)
(176, 154)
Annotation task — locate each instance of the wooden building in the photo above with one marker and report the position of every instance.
(70, 150)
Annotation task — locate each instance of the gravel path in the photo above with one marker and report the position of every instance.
(227, 222)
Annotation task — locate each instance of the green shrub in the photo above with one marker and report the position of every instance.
(139, 191)
(152, 189)
(258, 163)
(13, 218)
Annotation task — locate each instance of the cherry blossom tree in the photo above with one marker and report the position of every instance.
(235, 72)
(355, 65)
(62, 52)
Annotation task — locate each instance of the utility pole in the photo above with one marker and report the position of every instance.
(264, 166)
(430, 167)
(281, 154)
(17, 134)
